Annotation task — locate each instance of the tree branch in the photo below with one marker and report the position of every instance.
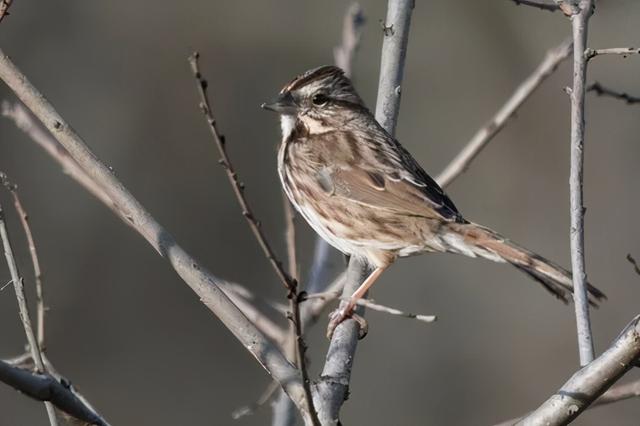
(49, 389)
(481, 139)
(332, 388)
(18, 285)
(4, 8)
(394, 50)
(33, 252)
(585, 386)
(201, 281)
(624, 51)
(579, 24)
(368, 303)
(600, 90)
(288, 281)
(537, 4)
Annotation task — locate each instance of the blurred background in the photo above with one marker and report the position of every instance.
(138, 343)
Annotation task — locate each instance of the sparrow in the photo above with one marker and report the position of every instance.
(364, 193)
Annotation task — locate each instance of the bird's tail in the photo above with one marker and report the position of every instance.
(477, 241)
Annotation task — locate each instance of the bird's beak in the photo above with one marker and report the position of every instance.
(283, 104)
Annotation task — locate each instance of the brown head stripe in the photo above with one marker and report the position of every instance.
(310, 76)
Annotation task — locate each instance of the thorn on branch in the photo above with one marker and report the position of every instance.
(386, 30)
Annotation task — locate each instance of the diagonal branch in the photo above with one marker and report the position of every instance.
(201, 281)
(46, 387)
(481, 139)
(600, 90)
(585, 386)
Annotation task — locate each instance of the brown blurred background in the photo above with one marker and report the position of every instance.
(144, 350)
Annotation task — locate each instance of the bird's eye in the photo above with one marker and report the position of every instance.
(319, 99)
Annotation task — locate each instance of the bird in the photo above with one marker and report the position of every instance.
(367, 196)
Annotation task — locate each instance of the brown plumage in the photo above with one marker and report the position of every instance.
(368, 197)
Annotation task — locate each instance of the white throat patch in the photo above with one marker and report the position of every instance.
(287, 123)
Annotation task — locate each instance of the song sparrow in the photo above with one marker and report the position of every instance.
(368, 197)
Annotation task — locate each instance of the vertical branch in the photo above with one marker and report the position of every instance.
(18, 285)
(37, 271)
(579, 23)
(394, 51)
(332, 388)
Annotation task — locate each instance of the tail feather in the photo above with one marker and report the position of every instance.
(483, 242)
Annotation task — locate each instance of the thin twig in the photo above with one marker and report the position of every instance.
(288, 281)
(37, 271)
(368, 303)
(49, 387)
(623, 51)
(537, 4)
(236, 185)
(201, 281)
(579, 24)
(604, 91)
(585, 386)
(4, 8)
(18, 285)
(481, 139)
(632, 261)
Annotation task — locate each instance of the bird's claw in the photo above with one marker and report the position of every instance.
(342, 313)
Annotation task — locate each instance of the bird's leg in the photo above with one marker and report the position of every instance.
(345, 310)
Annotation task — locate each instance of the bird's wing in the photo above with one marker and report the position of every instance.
(382, 174)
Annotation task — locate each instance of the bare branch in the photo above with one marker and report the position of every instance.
(344, 54)
(481, 139)
(236, 185)
(394, 50)
(604, 91)
(368, 303)
(18, 285)
(623, 51)
(201, 281)
(37, 271)
(288, 281)
(331, 389)
(591, 381)
(4, 8)
(537, 4)
(579, 24)
(615, 394)
(47, 388)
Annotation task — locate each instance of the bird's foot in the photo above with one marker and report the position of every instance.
(345, 312)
